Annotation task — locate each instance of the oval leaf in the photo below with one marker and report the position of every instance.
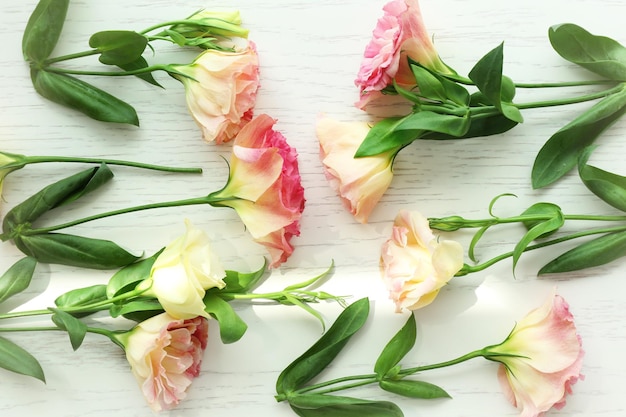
(384, 137)
(239, 282)
(598, 54)
(322, 353)
(118, 47)
(317, 405)
(414, 389)
(129, 276)
(480, 125)
(596, 252)
(561, 152)
(541, 209)
(54, 195)
(84, 97)
(82, 296)
(75, 328)
(139, 309)
(232, 327)
(140, 63)
(15, 359)
(429, 85)
(540, 229)
(44, 29)
(397, 348)
(17, 278)
(58, 248)
(611, 188)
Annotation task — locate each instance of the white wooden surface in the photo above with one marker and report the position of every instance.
(310, 53)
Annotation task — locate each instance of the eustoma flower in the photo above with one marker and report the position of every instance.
(360, 182)
(221, 88)
(540, 359)
(183, 272)
(165, 356)
(265, 187)
(415, 264)
(399, 34)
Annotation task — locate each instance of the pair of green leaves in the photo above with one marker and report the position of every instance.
(311, 363)
(49, 247)
(444, 109)
(121, 48)
(598, 54)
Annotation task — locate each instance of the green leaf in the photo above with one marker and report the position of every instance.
(44, 29)
(84, 252)
(82, 296)
(480, 125)
(54, 195)
(497, 89)
(128, 277)
(598, 54)
(397, 348)
(118, 47)
(322, 353)
(240, 282)
(436, 122)
(75, 328)
(596, 252)
(540, 229)
(17, 278)
(472, 246)
(15, 359)
(413, 389)
(383, 137)
(232, 327)
(140, 63)
(611, 188)
(78, 95)
(429, 85)
(541, 209)
(318, 405)
(561, 152)
(138, 309)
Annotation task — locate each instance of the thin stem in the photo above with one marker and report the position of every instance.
(175, 203)
(72, 56)
(571, 100)
(467, 269)
(455, 222)
(463, 358)
(42, 159)
(28, 313)
(27, 329)
(464, 80)
(152, 68)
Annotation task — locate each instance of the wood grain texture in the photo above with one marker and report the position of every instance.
(310, 52)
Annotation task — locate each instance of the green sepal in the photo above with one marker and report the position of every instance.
(321, 354)
(17, 278)
(413, 388)
(232, 327)
(118, 47)
(397, 348)
(561, 152)
(319, 405)
(84, 252)
(43, 29)
(127, 278)
(599, 251)
(79, 95)
(75, 328)
(54, 195)
(81, 296)
(610, 187)
(598, 54)
(15, 359)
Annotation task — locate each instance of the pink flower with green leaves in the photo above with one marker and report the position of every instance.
(265, 187)
(221, 89)
(165, 355)
(360, 182)
(399, 34)
(541, 358)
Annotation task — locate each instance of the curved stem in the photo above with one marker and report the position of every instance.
(42, 159)
(455, 222)
(467, 269)
(175, 203)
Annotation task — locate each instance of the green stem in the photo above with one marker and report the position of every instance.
(42, 159)
(152, 68)
(464, 80)
(571, 100)
(15, 314)
(175, 203)
(71, 56)
(467, 269)
(456, 222)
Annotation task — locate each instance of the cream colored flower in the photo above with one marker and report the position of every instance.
(415, 264)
